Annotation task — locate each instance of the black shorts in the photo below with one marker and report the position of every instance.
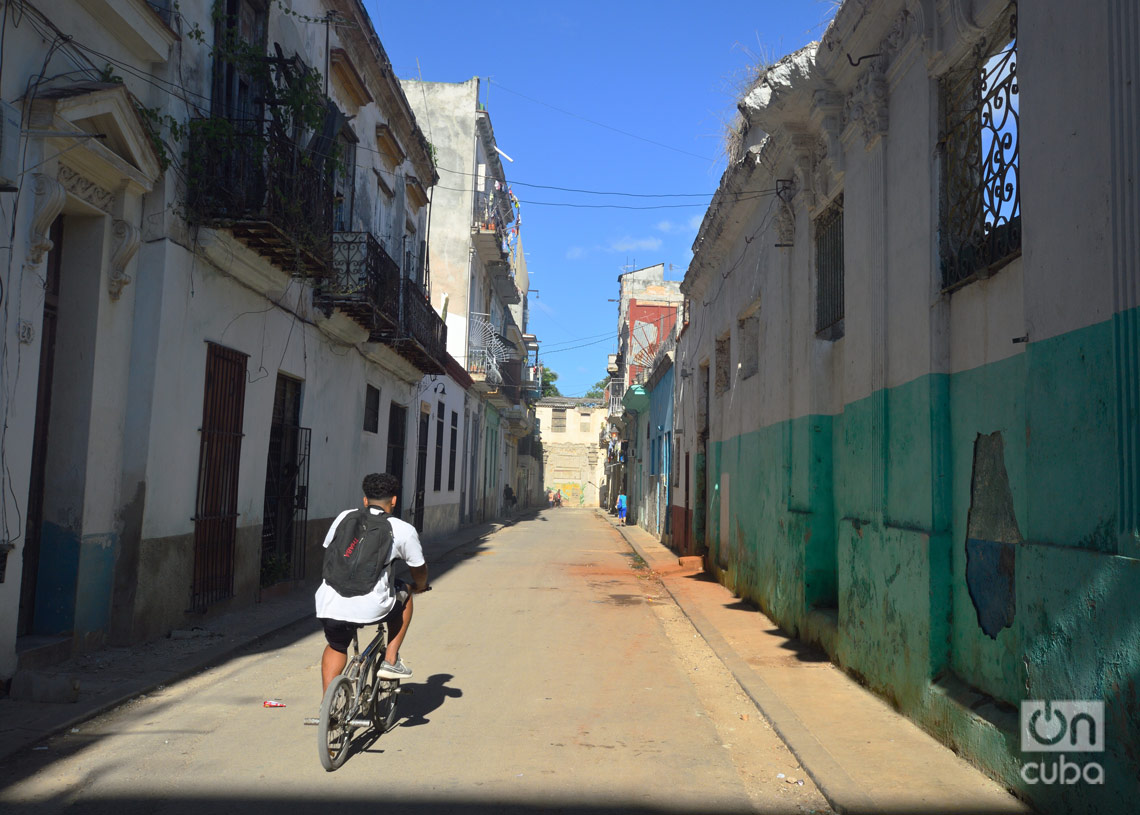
(338, 633)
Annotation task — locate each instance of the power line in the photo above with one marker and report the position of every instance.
(579, 339)
(181, 92)
(612, 206)
(573, 347)
(600, 124)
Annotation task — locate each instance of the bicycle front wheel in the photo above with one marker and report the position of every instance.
(334, 730)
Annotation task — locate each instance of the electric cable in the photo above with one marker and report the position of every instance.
(599, 124)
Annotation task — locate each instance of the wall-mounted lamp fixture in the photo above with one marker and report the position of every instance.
(440, 389)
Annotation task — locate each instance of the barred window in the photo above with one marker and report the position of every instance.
(981, 205)
(829, 271)
(558, 420)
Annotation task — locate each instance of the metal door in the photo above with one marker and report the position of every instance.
(35, 518)
(285, 515)
(215, 516)
(397, 435)
(421, 471)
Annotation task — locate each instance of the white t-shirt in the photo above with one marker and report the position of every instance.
(368, 608)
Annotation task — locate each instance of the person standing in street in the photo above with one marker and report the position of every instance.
(621, 508)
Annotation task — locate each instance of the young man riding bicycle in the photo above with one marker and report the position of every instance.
(357, 537)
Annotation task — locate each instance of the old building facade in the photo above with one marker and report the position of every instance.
(907, 389)
(222, 305)
(573, 447)
(480, 268)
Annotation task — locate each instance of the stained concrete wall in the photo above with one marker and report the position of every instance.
(944, 494)
(573, 461)
(446, 111)
(128, 402)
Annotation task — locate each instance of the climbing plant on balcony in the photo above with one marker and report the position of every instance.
(269, 150)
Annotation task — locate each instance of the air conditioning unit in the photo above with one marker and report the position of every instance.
(9, 146)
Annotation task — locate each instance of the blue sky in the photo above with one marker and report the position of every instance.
(623, 97)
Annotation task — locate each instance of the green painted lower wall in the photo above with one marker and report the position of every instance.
(869, 512)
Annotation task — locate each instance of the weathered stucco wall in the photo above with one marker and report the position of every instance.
(944, 495)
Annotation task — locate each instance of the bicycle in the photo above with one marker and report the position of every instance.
(357, 699)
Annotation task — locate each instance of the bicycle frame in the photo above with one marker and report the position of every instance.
(360, 666)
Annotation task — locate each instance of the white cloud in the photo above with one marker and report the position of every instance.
(628, 244)
(575, 252)
(695, 221)
(666, 226)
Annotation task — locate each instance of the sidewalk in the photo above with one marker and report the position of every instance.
(111, 676)
(864, 756)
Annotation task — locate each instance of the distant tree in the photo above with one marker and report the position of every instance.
(598, 390)
(549, 377)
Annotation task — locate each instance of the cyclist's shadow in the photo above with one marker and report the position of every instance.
(423, 699)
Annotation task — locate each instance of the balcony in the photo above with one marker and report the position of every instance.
(531, 382)
(616, 390)
(486, 352)
(489, 229)
(246, 177)
(364, 283)
(503, 282)
(422, 337)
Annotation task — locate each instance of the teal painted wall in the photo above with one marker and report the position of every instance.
(869, 511)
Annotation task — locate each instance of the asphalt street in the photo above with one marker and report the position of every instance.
(552, 673)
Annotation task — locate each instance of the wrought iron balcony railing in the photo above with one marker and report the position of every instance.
(487, 215)
(364, 283)
(423, 331)
(249, 178)
(483, 362)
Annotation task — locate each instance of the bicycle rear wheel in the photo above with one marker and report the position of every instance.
(334, 731)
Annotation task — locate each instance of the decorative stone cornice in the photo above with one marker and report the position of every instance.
(50, 196)
(827, 115)
(805, 159)
(84, 188)
(126, 244)
(782, 94)
(867, 104)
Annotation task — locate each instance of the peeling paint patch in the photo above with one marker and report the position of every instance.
(991, 535)
(989, 577)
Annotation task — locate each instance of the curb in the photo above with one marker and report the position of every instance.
(842, 792)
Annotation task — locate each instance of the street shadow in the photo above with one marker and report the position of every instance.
(424, 698)
(318, 803)
(27, 761)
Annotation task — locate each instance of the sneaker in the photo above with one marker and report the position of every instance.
(398, 671)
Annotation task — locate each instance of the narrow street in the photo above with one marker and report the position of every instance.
(552, 672)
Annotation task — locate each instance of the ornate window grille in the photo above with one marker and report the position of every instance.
(486, 352)
(981, 206)
(829, 271)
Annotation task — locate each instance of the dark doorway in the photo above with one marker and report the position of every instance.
(216, 509)
(285, 514)
(397, 443)
(34, 527)
(421, 471)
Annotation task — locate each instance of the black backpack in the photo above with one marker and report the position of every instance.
(359, 552)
